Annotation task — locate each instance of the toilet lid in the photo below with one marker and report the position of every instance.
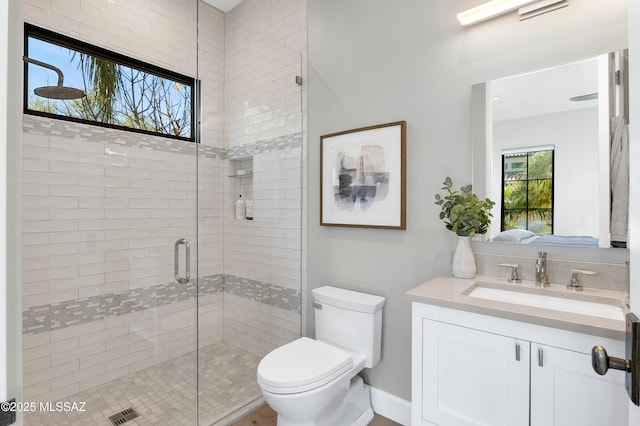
(302, 365)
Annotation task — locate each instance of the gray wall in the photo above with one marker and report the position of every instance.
(376, 61)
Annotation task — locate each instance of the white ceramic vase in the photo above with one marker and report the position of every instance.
(464, 263)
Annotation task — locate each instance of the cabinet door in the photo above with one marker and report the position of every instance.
(472, 377)
(565, 391)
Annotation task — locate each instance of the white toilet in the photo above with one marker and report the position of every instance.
(314, 382)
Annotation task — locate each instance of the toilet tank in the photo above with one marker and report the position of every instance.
(350, 320)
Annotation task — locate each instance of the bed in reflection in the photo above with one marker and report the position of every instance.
(523, 236)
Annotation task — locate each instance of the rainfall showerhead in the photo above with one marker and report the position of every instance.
(59, 92)
(55, 92)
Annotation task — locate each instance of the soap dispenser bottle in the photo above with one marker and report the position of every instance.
(240, 208)
(248, 209)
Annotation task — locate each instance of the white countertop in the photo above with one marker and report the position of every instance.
(450, 292)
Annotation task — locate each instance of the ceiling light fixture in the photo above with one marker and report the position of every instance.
(490, 9)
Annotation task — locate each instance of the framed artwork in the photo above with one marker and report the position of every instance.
(363, 177)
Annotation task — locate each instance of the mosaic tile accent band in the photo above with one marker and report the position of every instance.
(281, 143)
(84, 132)
(44, 318)
(269, 294)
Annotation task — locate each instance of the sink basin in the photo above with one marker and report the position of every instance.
(577, 303)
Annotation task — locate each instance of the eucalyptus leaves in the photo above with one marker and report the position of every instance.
(463, 212)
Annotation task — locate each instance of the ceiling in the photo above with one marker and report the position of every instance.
(224, 5)
(546, 91)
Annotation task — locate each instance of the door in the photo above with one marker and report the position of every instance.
(472, 377)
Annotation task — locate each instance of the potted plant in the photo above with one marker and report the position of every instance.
(466, 215)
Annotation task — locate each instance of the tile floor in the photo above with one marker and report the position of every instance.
(165, 394)
(265, 416)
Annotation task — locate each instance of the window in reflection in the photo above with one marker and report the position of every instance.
(527, 190)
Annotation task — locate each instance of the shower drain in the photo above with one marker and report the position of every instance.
(123, 416)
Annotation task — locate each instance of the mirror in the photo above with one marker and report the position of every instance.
(542, 152)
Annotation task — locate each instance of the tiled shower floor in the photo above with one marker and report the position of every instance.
(165, 394)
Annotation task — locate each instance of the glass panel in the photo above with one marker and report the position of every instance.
(515, 205)
(540, 165)
(515, 167)
(251, 146)
(106, 324)
(540, 171)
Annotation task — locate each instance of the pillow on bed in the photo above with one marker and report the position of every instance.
(513, 235)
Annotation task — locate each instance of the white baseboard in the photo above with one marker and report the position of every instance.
(390, 406)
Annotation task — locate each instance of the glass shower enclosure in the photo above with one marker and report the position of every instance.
(144, 297)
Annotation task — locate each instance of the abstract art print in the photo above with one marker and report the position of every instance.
(363, 177)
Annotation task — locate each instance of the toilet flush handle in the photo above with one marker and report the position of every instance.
(316, 305)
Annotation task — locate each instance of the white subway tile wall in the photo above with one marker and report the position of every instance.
(266, 43)
(263, 57)
(94, 229)
(102, 208)
(256, 327)
(268, 248)
(211, 73)
(163, 35)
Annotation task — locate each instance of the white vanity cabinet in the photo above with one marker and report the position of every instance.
(472, 369)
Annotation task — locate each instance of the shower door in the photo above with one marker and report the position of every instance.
(109, 234)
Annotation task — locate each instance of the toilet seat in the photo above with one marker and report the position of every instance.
(302, 365)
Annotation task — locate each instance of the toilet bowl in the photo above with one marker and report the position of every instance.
(314, 382)
(306, 380)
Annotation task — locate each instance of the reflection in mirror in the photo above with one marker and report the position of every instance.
(527, 189)
(545, 150)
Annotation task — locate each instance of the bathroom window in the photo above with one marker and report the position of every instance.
(527, 190)
(119, 91)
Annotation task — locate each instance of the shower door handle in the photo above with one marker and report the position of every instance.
(187, 270)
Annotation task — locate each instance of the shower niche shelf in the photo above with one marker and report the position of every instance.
(241, 167)
(240, 179)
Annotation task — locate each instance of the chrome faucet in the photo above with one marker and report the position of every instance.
(515, 277)
(542, 279)
(574, 284)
